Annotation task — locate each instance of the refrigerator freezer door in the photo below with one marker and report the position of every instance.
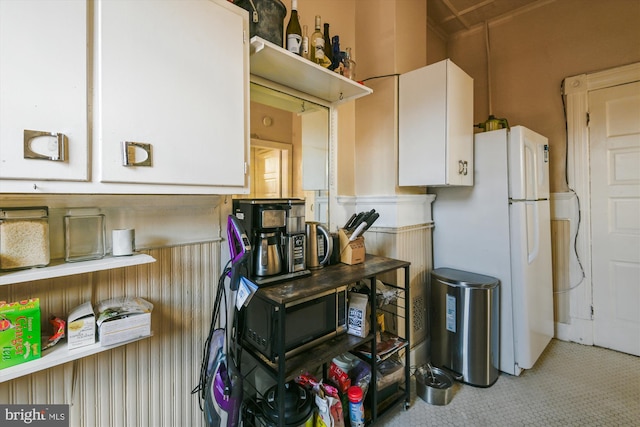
(528, 165)
(532, 287)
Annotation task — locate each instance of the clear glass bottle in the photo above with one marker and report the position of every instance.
(317, 44)
(294, 32)
(305, 42)
(349, 65)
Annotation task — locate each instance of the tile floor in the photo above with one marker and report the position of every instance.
(570, 385)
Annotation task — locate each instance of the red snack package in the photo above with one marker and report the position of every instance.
(339, 377)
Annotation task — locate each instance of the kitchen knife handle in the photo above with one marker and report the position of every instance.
(356, 221)
(348, 223)
(371, 220)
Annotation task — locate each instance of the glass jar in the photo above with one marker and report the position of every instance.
(24, 237)
(84, 237)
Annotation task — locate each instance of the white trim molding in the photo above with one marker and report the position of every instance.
(576, 91)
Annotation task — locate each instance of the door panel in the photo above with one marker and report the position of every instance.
(615, 213)
(43, 82)
(171, 74)
(532, 286)
(528, 165)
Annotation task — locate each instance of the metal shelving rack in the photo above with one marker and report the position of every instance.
(287, 368)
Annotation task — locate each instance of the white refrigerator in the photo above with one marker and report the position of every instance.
(501, 227)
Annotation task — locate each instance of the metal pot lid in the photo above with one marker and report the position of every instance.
(297, 404)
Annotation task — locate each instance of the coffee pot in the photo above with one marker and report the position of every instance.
(319, 245)
(493, 123)
(268, 257)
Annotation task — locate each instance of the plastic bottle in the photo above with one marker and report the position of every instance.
(356, 409)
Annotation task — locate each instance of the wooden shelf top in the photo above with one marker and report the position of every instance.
(329, 278)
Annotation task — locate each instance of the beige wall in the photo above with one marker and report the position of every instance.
(400, 33)
(531, 53)
(340, 16)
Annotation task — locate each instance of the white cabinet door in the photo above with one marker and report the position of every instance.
(435, 126)
(172, 74)
(43, 82)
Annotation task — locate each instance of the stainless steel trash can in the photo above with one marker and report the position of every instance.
(465, 325)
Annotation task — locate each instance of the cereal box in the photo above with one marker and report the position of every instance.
(19, 332)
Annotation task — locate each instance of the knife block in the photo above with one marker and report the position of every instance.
(351, 252)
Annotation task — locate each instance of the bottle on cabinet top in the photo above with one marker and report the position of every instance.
(318, 48)
(294, 32)
(337, 62)
(328, 50)
(305, 42)
(349, 64)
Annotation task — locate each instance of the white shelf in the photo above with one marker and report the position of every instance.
(271, 62)
(59, 268)
(56, 356)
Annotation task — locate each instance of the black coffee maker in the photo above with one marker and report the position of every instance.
(276, 228)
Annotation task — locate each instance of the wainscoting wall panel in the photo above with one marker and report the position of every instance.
(413, 244)
(561, 251)
(147, 383)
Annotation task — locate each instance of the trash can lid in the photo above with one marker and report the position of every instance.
(464, 278)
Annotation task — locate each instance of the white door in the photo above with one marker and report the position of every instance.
(532, 279)
(266, 173)
(43, 82)
(528, 164)
(615, 216)
(172, 80)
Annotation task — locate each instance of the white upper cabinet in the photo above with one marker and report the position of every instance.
(163, 84)
(435, 126)
(172, 95)
(43, 82)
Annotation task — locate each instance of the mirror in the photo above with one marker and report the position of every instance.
(290, 150)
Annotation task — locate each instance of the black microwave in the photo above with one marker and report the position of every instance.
(307, 322)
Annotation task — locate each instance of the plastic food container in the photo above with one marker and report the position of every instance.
(24, 237)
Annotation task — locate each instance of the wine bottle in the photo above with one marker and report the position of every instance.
(305, 42)
(317, 44)
(328, 50)
(294, 33)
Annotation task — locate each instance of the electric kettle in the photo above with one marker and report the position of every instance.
(319, 245)
(268, 257)
(493, 123)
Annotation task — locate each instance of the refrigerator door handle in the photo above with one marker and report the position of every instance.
(535, 249)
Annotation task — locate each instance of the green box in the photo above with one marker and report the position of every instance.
(19, 332)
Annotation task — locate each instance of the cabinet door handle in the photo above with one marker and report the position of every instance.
(58, 145)
(463, 167)
(129, 150)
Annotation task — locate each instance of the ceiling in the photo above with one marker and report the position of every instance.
(448, 17)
